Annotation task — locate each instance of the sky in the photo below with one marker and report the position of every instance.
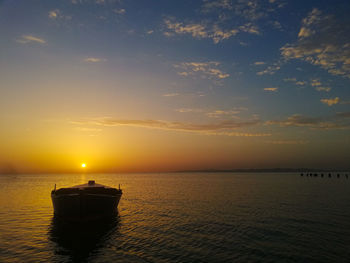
(154, 86)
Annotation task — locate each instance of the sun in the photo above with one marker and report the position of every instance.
(83, 165)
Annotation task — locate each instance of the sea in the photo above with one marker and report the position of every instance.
(182, 217)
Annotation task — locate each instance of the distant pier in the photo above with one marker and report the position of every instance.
(338, 175)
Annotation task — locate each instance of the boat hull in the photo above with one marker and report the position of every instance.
(85, 206)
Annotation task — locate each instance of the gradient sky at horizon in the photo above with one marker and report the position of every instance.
(136, 86)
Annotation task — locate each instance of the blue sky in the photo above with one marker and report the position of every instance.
(275, 71)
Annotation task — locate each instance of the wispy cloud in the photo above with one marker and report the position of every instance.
(30, 39)
(223, 113)
(290, 79)
(271, 89)
(315, 82)
(300, 83)
(220, 128)
(205, 69)
(331, 101)
(57, 14)
(218, 20)
(186, 110)
(270, 70)
(322, 41)
(239, 134)
(250, 28)
(214, 5)
(340, 120)
(326, 89)
(94, 59)
(119, 11)
(199, 31)
(171, 94)
(288, 142)
(277, 25)
(251, 10)
(258, 63)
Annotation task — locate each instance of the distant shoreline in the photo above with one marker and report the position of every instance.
(267, 170)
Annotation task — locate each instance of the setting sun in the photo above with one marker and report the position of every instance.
(83, 165)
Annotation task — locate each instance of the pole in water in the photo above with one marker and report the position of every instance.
(55, 187)
(119, 186)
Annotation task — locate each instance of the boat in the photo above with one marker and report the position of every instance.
(83, 202)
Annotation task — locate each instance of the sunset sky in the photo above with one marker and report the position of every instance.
(147, 86)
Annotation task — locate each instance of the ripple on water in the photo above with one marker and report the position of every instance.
(182, 218)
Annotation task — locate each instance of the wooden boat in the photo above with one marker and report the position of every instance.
(89, 201)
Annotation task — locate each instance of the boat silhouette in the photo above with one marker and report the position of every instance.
(86, 202)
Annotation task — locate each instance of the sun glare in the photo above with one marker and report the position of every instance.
(83, 165)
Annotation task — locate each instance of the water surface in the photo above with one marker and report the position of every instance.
(182, 217)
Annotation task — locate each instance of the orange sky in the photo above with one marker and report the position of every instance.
(174, 88)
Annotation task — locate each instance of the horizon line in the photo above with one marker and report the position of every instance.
(211, 170)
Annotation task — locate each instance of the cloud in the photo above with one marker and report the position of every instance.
(56, 14)
(250, 28)
(220, 4)
(29, 39)
(315, 82)
(270, 70)
(258, 63)
(205, 69)
(277, 25)
(94, 60)
(53, 14)
(250, 9)
(170, 94)
(300, 83)
(288, 142)
(338, 121)
(323, 41)
(215, 113)
(220, 128)
(330, 102)
(120, 11)
(223, 113)
(271, 89)
(223, 19)
(326, 89)
(239, 134)
(290, 79)
(186, 110)
(197, 30)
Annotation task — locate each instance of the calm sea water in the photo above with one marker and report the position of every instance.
(185, 217)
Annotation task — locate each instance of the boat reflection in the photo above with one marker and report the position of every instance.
(79, 241)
